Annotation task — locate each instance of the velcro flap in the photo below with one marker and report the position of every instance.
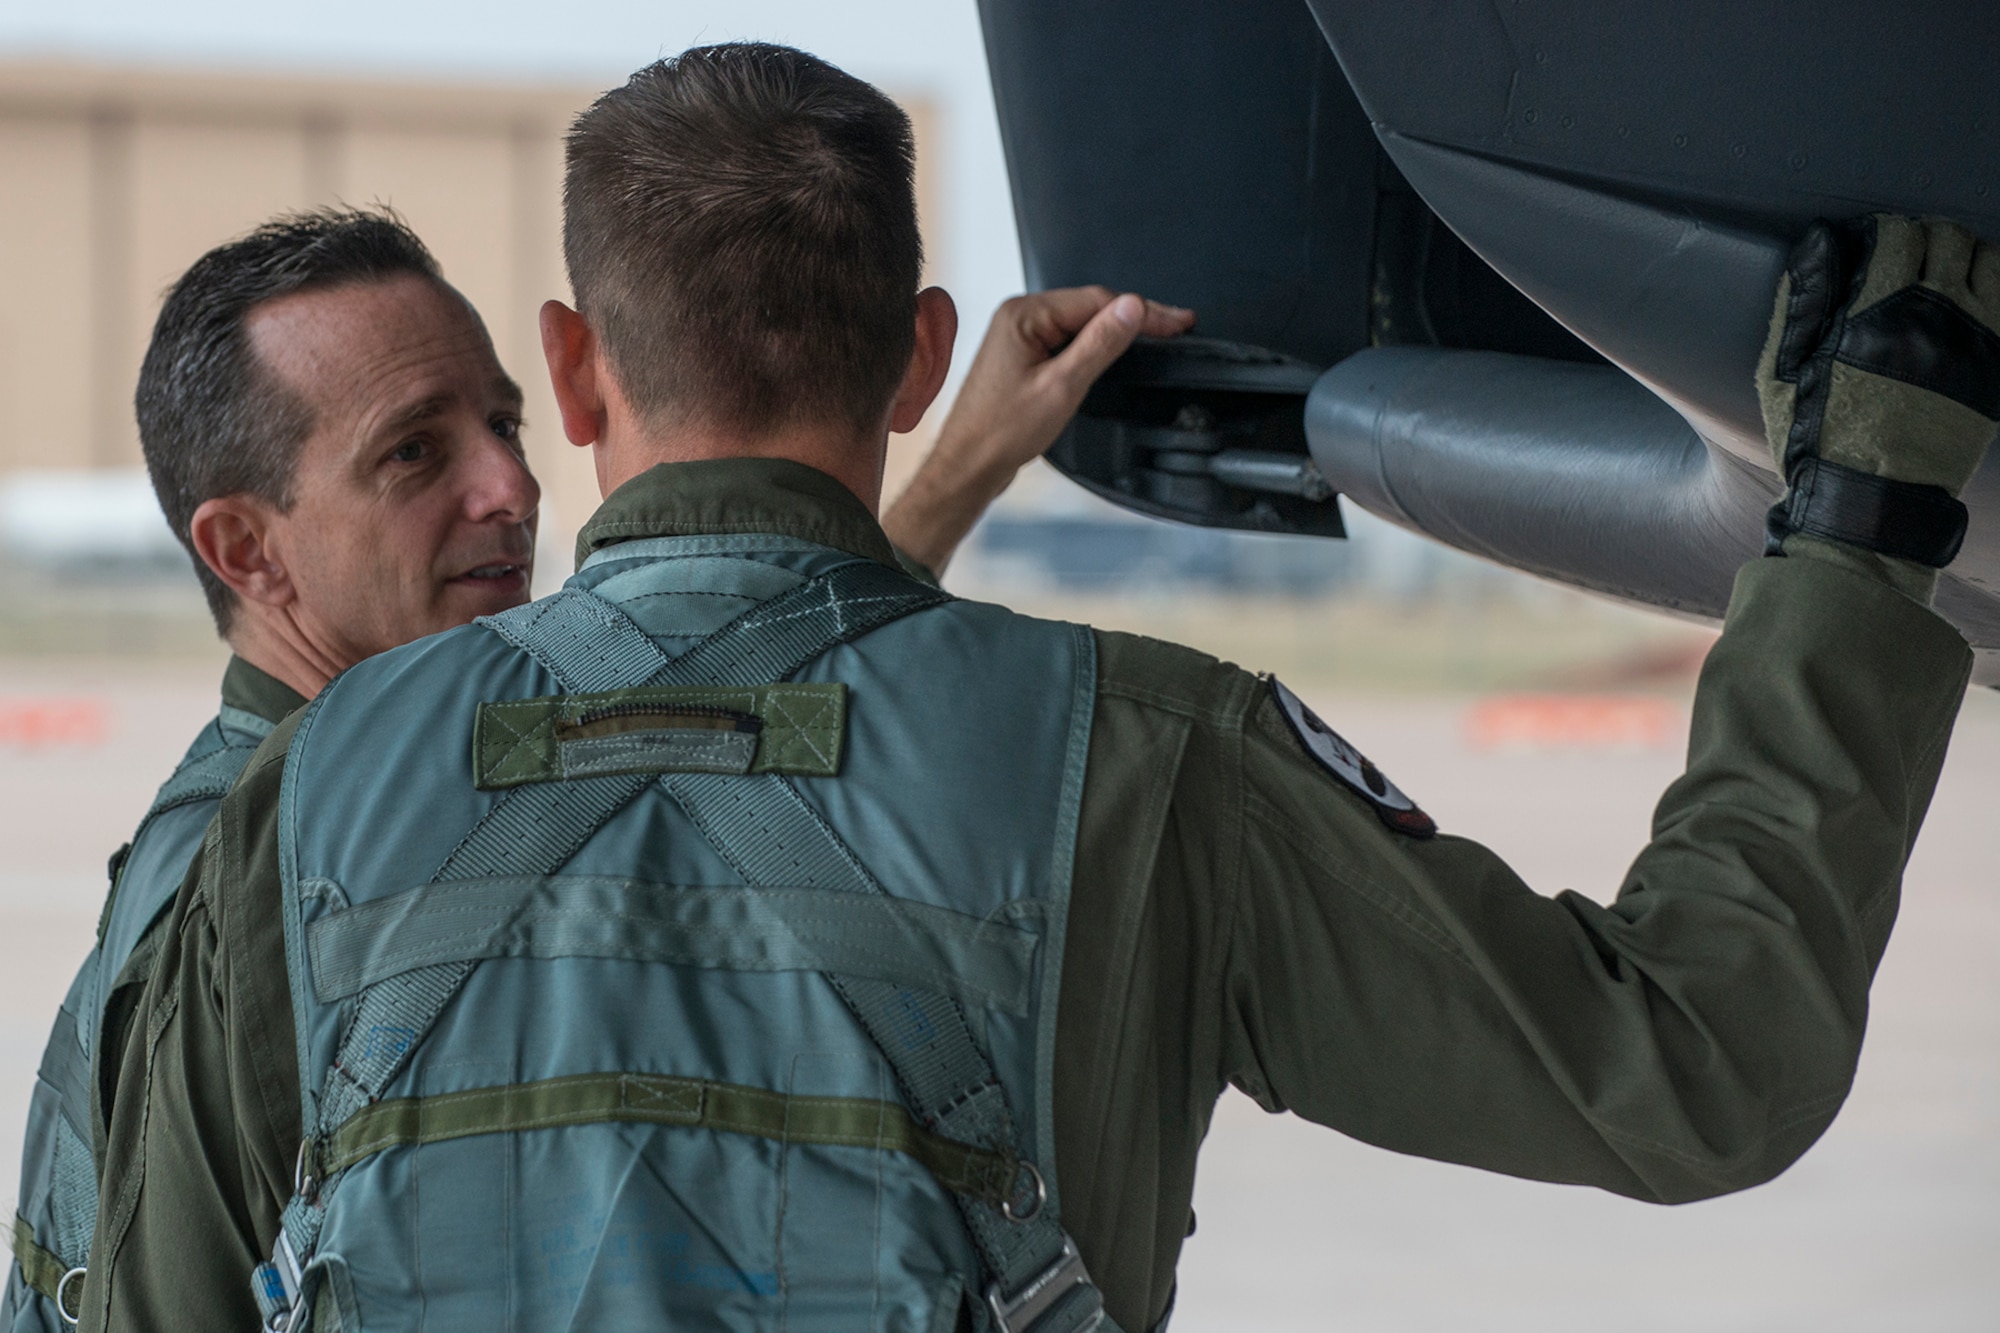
(782, 728)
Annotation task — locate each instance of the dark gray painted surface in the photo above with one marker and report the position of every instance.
(1637, 171)
(1768, 115)
(1568, 471)
(1572, 472)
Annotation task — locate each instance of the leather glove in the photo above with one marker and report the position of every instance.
(1880, 383)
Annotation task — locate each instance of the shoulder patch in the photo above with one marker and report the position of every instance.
(1350, 767)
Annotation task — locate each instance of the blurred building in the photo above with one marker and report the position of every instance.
(114, 179)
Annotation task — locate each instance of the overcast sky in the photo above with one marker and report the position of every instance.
(925, 46)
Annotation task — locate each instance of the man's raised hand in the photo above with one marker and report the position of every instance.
(1039, 358)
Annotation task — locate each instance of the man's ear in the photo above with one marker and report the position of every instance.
(930, 360)
(232, 536)
(569, 345)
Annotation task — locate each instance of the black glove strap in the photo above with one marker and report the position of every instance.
(1894, 518)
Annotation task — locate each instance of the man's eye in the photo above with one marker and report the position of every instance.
(507, 428)
(410, 451)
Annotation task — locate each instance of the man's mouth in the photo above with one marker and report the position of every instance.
(501, 576)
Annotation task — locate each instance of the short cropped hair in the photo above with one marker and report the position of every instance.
(740, 229)
(214, 420)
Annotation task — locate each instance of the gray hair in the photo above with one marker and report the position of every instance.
(213, 420)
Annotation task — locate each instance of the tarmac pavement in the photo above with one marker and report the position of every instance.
(1892, 1222)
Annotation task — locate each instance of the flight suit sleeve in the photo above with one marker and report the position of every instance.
(195, 1167)
(1693, 1037)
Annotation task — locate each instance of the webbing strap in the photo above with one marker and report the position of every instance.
(40, 1268)
(775, 638)
(1924, 524)
(776, 929)
(585, 1099)
(540, 826)
(586, 644)
(584, 641)
(66, 1068)
(72, 1195)
(764, 828)
(208, 778)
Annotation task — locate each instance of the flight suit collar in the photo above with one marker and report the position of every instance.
(258, 692)
(731, 495)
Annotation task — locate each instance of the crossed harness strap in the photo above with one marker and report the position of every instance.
(207, 777)
(761, 825)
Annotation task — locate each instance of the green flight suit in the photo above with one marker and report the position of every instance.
(1239, 916)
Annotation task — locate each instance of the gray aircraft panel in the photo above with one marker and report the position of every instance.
(1488, 224)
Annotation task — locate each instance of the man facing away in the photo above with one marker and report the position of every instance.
(331, 435)
(685, 949)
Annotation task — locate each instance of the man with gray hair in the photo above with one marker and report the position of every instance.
(332, 438)
(317, 540)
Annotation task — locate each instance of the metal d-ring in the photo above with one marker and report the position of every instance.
(1041, 1197)
(62, 1286)
(304, 1185)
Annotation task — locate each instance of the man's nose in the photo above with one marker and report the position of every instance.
(502, 486)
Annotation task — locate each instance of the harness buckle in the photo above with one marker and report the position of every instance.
(1022, 1311)
(280, 1286)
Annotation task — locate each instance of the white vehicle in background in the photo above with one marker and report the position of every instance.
(103, 523)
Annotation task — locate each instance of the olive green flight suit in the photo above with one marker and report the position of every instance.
(1239, 916)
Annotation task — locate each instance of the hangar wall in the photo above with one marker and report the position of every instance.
(113, 179)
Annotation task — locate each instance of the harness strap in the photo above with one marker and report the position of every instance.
(587, 1099)
(66, 1068)
(45, 1273)
(209, 776)
(55, 1270)
(763, 827)
(206, 777)
(73, 1191)
(767, 832)
(739, 928)
(587, 644)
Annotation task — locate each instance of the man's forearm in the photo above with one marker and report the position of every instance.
(1757, 915)
(1695, 1036)
(938, 508)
